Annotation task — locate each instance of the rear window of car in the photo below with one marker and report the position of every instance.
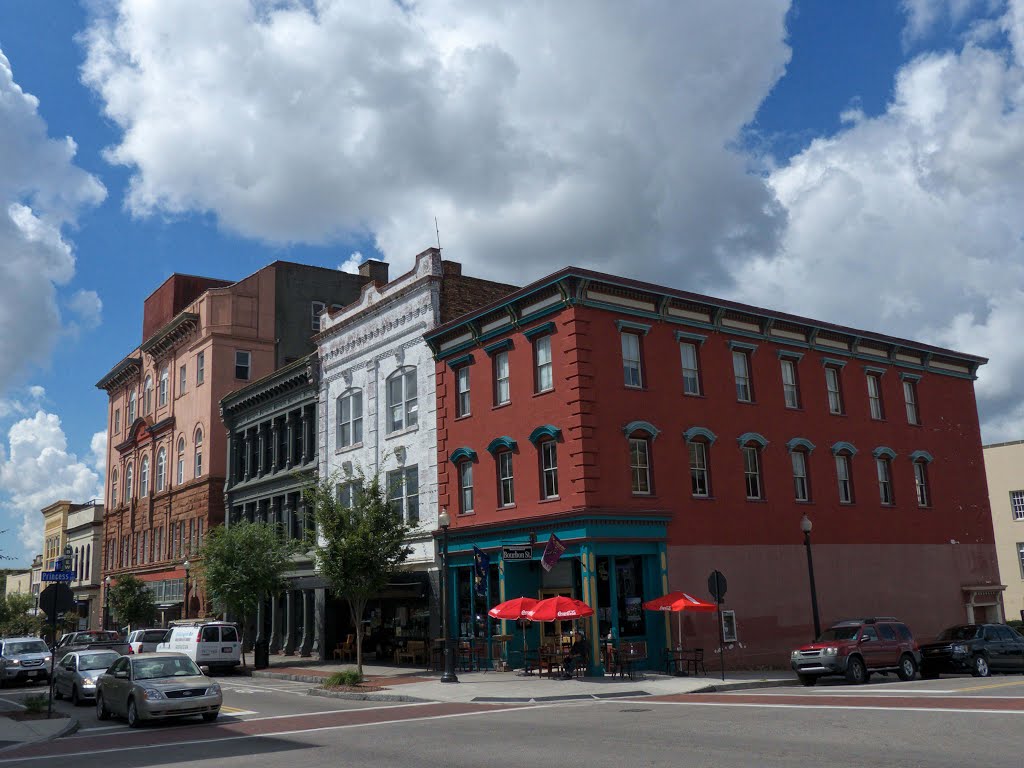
(211, 634)
(904, 632)
(153, 636)
(886, 631)
(228, 635)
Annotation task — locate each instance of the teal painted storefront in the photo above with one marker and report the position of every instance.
(611, 562)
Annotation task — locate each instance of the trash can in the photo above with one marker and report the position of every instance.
(261, 654)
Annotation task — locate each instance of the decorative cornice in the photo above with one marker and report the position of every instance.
(458, 362)
(501, 444)
(539, 330)
(629, 325)
(800, 443)
(498, 346)
(884, 450)
(752, 437)
(741, 346)
(697, 338)
(300, 374)
(641, 426)
(171, 335)
(544, 432)
(921, 456)
(121, 374)
(462, 454)
(694, 433)
(844, 447)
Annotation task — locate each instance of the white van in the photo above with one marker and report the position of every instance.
(213, 644)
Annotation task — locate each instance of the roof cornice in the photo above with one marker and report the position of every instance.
(121, 373)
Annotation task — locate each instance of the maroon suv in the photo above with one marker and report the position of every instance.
(857, 647)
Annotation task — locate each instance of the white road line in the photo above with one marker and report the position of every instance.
(831, 706)
(870, 692)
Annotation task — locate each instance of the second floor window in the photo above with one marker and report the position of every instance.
(200, 367)
(165, 385)
(835, 395)
(752, 472)
(144, 477)
(128, 482)
(790, 390)
(543, 373)
(884, 480)
(350, 418)
(506, 486)
(1016, 503)
(147, 395)
(243, 363)
(801, 488)
(875, 396)
(691, 368)
(182, 379)
(462, 401)
(549, 469)
(465, 487)
(130, 417)
(910, 398)
(117, 421)
(741, 371)
(502, 391)
(181, 460)
(699, 481)
(404, 493)
(631, 367)
(402, 408)
(199, 452)
(843, 479)
(640, 465)
(161, 469)
(921, 483)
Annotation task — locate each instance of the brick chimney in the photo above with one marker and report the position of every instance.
(374, 269)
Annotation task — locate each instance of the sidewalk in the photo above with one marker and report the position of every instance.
(18, 733)
(414, 683)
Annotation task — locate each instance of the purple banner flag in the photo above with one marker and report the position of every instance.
(552, 552)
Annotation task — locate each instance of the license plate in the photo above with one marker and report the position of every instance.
(32, 674)
(226, 650)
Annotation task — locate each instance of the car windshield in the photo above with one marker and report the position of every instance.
(967, 632)
(149, 669)
(838, 633)
(26, 646)
(97, 661)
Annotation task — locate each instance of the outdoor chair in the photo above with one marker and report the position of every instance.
(346, 650)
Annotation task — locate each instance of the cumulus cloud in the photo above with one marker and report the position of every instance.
(41, 191)
(37, 469)
(87, 308)
(537, 133)
(351, 264)
(19, 404)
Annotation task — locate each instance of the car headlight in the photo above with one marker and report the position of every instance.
(830, 651)
(152, 694)
(795, 655)
(14, 663)
(959, 650)
(215, 688)
(47, 659)
(88, 681)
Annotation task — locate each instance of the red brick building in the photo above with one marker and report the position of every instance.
(661, 434)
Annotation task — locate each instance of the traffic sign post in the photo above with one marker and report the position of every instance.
(58, 576)
(56, 598)
(717, 586)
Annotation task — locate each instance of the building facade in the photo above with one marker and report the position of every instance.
(85, 537)
(1004, 468)
(661, 435)
(377, 417)
(55, 531)
(19, 583)
(167, 451)
(272, 452)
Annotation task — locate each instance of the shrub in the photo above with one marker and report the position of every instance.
(349, 677)
(36, 704)
(1016, 624)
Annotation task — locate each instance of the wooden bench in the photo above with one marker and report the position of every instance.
(414, 651)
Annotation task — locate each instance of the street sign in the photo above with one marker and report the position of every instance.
(58, 576)
(56, 599)
(516, 552)
(717, 585)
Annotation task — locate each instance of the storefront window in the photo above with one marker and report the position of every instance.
(629, 583)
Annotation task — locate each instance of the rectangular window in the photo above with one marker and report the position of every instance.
(506, 489)
(884, 480)
(691, 368)
(350, 419)
(199, 532)
(182, 379)
(1020, 557)
(543, 373)
(347, 493)
(117, 421)
(465, 487)
(502, 391)
(243, 362)
(875, 396)
(631, 368)
(462, 391)
(801, 491)
(402, 400)
(200, 367)
(165, 385)
(640, 465)
(910, 398)
(1017, 505)
(752, 471)
(741, 370)
(835, 395)
(699, 484)
(843, 478)
(549, 468)
(191, 536)
(158, 544)
(790, 390)
(921, 483)
(316, 309)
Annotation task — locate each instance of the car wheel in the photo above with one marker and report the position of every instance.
(102, 713)
(75, 698)
(808, 680)
(908, 667)
(134, 721)
(210, 716)
(856, 672)
(979, 666)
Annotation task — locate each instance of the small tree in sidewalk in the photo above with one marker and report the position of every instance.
(132, 601)
(359, 546)
(241, 564)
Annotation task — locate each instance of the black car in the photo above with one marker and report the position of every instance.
(980, 649)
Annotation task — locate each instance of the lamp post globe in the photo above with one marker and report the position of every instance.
(449, 676)
(805, 526)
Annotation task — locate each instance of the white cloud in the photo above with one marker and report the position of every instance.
(36, 469)
(351, 264)
(19, 405)
(87, 307)
(98, 450)
(41, 191)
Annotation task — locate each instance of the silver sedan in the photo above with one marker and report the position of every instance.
(156, 686)
(75, 675)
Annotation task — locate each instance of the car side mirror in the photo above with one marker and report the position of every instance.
(205, 670)
(121, 674)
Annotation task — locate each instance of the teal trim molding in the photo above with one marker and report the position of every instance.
(827, 361)
(496, 347)
(752, 437)
(741, 346)
(800, 442)
(458, 362)
(627, 325)
(909, 376)
(544, 432)
(539, 330)
(694, 432)
(789, 354)
(875, 369)
(500, 444)
(884, 450)
(921, 456)
(461, 454)
(694, 337)
(844, 447)
(641, 426)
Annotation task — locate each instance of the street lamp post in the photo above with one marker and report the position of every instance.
(186, 566)
(106, 603)
(805, 526)
(449, 645)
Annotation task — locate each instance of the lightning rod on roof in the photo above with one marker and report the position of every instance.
(438, 233)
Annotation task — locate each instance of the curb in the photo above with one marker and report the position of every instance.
(67, 730)
(367, 696)
(752, 685)
(288, 676)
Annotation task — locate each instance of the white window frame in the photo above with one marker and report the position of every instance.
(801, 486)
(405, 501)
(835, 392)
(1017, 506)
(921, 484)
(200, 368)
(164, 386)
(465, 474)
(113, 487)
(506, 479)
(117, 421)
(883, 467)
(548, 450)
(741, 373)
(640, 466)
(129, 480)
(691, 368)
(502, 383)
(161, 470)
(844, 478)
(147, 395)
(406, 407)
(875, 397)
(182, 378)
(543, 367)
(181, 460)
(240, 356)
(700, 477)
(198, 440)
(352, 425)
(632, 361)
(752, 472)
(1020, 557)
(316, 309)
(144, 477)
(463, 401)
(132, 404)
(910, 400)
(790, 387)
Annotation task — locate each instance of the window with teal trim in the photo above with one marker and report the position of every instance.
(801, 483)
(844, 478)
(543, 377)
(465, 487)
(700, 478)
(502, 389)
(910, 398)
(741, 372)
(883, 467)
(462, 401)
(921, 483)
(752, 471)
(691, 368)
(640, 464)
(835, 392)
(506, 484)
(632, 367)
(790, 387)
(875, 396)
(549, 468)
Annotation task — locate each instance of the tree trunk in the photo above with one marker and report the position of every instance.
(357, 607)
(241, 637)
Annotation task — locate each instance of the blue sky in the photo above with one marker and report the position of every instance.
(839, 160)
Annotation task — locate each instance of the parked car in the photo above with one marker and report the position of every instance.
(146, 640)
(94, 639)
(980, 649)
(156, 686)
(23, 659)
(856, 648)
(212, 644)
(75, 675)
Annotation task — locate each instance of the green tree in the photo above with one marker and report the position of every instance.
(358, 547)
(132, 601)
(16, 615)
(242, 563)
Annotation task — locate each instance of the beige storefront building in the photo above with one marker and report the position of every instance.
(1004, 465)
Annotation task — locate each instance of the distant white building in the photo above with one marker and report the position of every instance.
(85, 537)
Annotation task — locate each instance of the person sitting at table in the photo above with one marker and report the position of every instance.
(578, 654)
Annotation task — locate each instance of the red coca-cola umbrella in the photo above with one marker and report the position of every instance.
(559, 608)
(514, 609)
(679, 602)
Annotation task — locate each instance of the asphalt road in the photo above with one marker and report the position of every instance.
(948, 722)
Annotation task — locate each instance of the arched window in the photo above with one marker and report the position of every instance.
(144, 478)
(751, 445)
(128, 490)
(401, 396)
(165, 377)
(921, 460)
(800, 457)
(698, 443)
(844, 453)
(199, 452)
(75, 565)
(181, 460)
(113, 487)
(88, 561)
(161, 469)
(640, 436)
(501, 449)
(350, 418)
(463, 459)
(147, 395)
(131, 408)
